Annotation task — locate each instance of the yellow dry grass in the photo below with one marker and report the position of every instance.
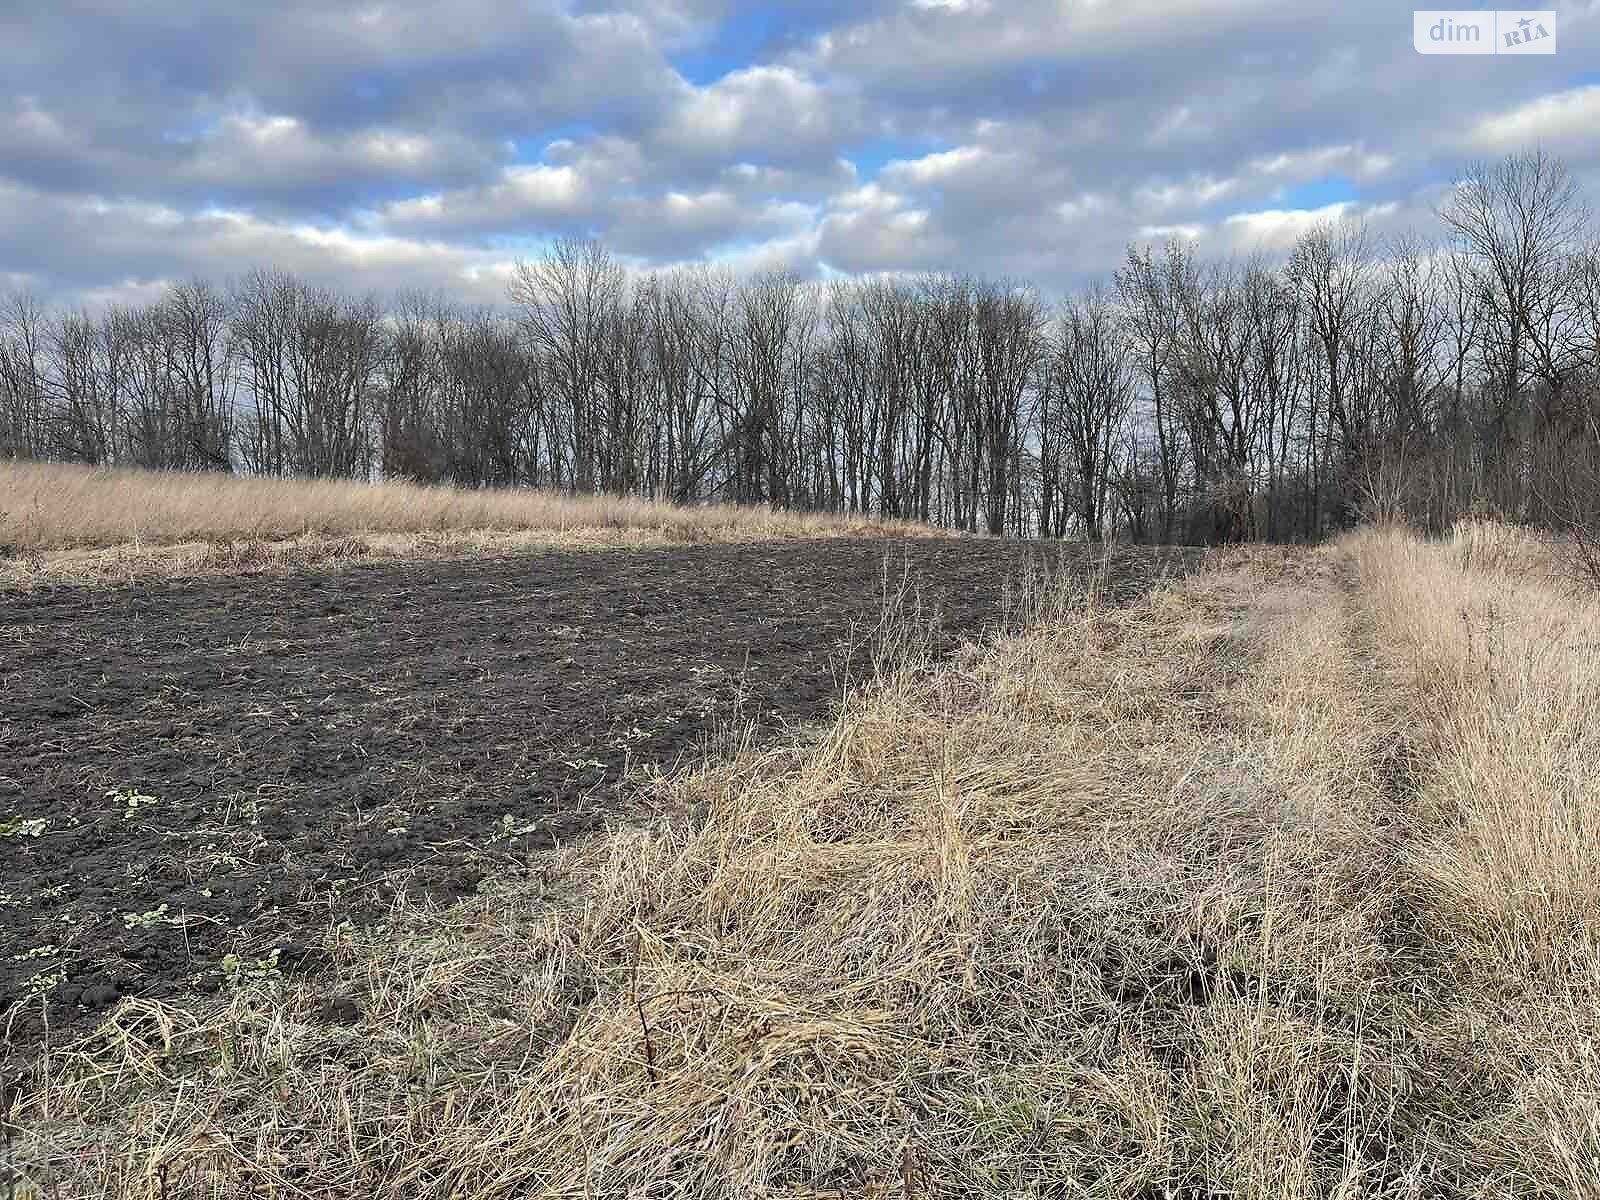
(1274, 883)
(1505, 861)
(61, 522)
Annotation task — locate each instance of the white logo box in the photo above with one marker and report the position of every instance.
(1483, 31)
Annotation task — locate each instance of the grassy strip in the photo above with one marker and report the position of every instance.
(46, 506)
(1505, 864)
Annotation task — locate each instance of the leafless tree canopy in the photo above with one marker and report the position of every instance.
(1184, 400)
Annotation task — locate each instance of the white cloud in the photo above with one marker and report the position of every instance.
(1163, 233)
(1276, 230)
(874, 230)
(522, 194)
(925, 38)
(28, 122)
(1198, 192)
(872, 197)
(797, 254)
(941, 167)
(774, 111)
(1178, 125)
(1083, 207)
(1564, 122)
(961, 6)
(1301, 165)
(272, 151)
(129, 248)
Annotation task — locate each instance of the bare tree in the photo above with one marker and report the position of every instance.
(1524, 224)
(1150, 292)
(413, 422)
(1007, 345)
(1088, 395)
(1332, 270)
(568, 302)
(193, 318)
(85, 404)
(24, 420)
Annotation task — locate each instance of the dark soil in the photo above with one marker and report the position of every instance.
(228, 766)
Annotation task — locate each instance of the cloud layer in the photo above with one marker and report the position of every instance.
(403, 143)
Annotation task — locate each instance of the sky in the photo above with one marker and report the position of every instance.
(428, 144)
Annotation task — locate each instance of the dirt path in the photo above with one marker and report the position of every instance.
(229, 766)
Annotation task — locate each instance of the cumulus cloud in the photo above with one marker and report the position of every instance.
(537, 195)
(775, 112)
(136, 247)
(1198, 192)
(1354, 160)
(397, 143)
(1564, 122)
(1276, 230)
(248, 154)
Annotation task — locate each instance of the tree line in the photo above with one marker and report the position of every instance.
(1181, 399)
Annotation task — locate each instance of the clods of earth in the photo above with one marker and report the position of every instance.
(198, 778)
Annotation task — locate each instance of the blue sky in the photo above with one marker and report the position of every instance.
(388, 144)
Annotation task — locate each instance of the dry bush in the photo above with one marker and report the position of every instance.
(1564, 477)
(52, 506)
(1495, 547)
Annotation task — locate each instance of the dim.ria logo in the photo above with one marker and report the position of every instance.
(1483, 31)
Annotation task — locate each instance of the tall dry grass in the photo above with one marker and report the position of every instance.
(53, 506)
(1265, 885)
(1505, 863)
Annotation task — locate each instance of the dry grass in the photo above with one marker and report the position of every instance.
(1270, 884)
(1506, 859)
(63, 522)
